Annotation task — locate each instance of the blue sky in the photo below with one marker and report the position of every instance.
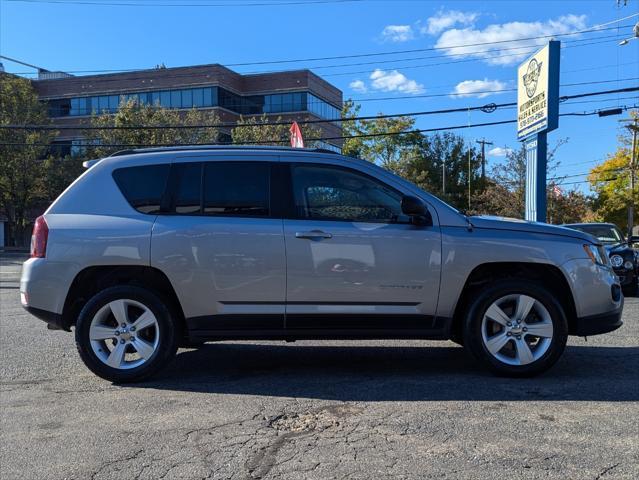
(61, 35)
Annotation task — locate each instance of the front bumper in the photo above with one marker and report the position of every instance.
(598, 324)
(626, 277)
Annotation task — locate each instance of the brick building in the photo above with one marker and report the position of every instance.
(293, 95)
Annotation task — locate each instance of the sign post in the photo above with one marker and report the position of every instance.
(537, 114)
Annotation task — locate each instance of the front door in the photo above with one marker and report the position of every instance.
(354, 261)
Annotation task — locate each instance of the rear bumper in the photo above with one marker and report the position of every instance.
(53, 320)
(598, 324)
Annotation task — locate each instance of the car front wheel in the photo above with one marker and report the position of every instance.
(125, 334)
(516, 328)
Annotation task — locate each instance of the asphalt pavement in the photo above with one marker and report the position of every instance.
(317, 410)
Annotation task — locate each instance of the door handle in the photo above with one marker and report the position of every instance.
(313, 234)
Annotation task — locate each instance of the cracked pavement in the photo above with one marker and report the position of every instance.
(357, 410)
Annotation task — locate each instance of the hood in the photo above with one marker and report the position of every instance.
(618, 248)
(504, 223)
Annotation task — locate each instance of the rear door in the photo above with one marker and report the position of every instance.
(354, 261)
(222, 246)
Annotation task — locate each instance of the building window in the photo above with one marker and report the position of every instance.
(165, 99)
(199, 98)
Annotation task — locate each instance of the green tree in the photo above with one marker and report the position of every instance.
(370, 142)
(441, 166)
(21, 156)
(266, 131)
(131, 115)
(426, 160)
(611, 180)
(58, 173)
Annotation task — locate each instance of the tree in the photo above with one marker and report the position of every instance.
(611, 180)
(58, 173)
(426, 160)
(21, 156)
(393, 151)
(505, 193)
(442, 167)
(265, 131)
(131, 115)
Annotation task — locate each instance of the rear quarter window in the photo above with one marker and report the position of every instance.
(143, 187)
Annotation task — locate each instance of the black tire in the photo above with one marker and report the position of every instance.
(483, 299)
(166, 324)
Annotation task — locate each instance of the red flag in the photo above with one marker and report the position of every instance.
(296, 136)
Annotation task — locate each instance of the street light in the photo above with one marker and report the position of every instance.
(635, 36)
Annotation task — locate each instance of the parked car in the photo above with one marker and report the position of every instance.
(623, 257)
(151, 249)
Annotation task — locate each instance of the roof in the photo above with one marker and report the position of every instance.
(183, 148)
(204, 148)
(589, 223)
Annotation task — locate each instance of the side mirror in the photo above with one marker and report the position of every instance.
(416, 209)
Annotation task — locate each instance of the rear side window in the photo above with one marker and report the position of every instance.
(188, 188)
(236, 188)
(143, 186)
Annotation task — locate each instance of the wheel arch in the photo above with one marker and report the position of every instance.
(93, 279)
(549, 275)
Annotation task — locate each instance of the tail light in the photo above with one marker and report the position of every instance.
(39, 238)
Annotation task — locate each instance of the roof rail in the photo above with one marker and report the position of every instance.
(181, 148)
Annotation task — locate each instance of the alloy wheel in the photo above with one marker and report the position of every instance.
(124, 334)
(517, 329)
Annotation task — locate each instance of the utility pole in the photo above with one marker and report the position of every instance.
(444, 177)
(483, 144)
(633, 161)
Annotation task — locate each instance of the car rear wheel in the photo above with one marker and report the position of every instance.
(125, 334)
(516, 328)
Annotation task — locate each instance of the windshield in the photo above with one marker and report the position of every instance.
(605, 233)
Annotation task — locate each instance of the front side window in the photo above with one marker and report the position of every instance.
(143, 187)
(333, 193)
(236, 188)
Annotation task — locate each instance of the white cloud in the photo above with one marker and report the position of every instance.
(394, 81)
(502, 53)
(443, 20)
(358, 86)
(477, 88)
(397, 33)
(499, 151)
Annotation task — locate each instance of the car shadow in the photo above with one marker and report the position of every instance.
(391, 373)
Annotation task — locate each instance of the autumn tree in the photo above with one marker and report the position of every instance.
(505, 193)
(611, 180)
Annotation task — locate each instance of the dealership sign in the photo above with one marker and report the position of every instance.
(538, 92)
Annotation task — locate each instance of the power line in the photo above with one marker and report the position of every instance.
(377, 62)
(503, 90)
(338, 137)
(435, 95)
(132, 4)
(487, 108)
(411, 51)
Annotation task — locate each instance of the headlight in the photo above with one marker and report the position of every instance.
(597, 254)
(628, 265)
(616, 261)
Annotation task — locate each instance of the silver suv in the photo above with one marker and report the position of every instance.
(150, 250)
